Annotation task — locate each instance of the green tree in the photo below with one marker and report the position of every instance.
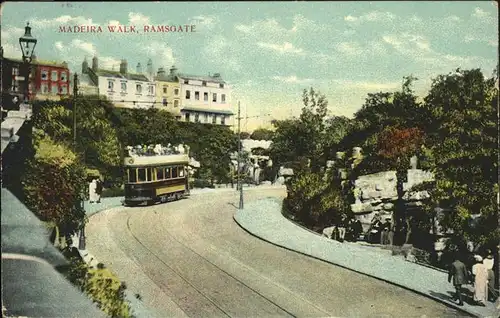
(303, 138)
(53, 184)
(262, 134)
(464, 107)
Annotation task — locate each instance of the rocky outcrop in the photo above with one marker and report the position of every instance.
(376, 193)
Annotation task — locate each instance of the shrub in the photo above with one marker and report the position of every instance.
(113, 192)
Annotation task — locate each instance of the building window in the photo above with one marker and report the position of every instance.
(186, 81)
(187, 117)
(45, 75)
(53, 76)
(223, 98)
(204, 83)
(196, 118)
(176, 103)
(164, 89)
(15, 87)
(164, 102)
(176, 91)
(44, 88)
(188, 94)
(205, 118)
(214, 119)
(150, 90)
(63, 77)
(124, 87)
(110, 85)
(205, 97)
(15, 71)
(223, 120)
(138, 89)
(64, 89)
(197, 95)
(214, 99)
(221, 85)
(54, 88)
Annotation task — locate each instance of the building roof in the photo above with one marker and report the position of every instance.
(85, 80)
(208, 110)
(116, 74)
(167, 78)
(40, 62)
(201, 78)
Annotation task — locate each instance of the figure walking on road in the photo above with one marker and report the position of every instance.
(98, 190)
(92, 191)
(480, 273)
(489, 262)
(458, 272)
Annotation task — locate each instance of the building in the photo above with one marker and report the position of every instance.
(205, 99)
(122, 88)
(168, 92)
(48, 80)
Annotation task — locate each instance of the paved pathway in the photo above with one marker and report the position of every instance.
(264, 219)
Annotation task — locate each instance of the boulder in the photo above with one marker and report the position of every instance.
(361, 208)
(388, 206)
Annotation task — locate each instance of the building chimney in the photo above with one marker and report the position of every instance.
(150, 68)
(123, 67)
(95, 64)
(85, 66)
(173, 70)
(216, 75)
(161, 71)
(139, 68)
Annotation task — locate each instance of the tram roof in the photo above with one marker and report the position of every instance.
(156, 160)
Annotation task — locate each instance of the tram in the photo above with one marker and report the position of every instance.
(155, 176)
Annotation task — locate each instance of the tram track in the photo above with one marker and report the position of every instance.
(216, 267)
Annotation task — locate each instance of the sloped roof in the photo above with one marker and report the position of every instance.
(167, 78)
(116, 74)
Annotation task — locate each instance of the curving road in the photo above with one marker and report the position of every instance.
(189, 258)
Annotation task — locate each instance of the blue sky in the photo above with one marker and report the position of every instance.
(271, 51)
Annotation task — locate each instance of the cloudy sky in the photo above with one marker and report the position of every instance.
(270, 52)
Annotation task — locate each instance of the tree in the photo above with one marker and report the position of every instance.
(244, 135)
(262, 134)
(53, 184)
(303, 137)
(464, 107)
(96, 140)
(398, 145)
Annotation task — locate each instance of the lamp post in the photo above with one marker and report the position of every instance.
(27, 43)
(81, 238)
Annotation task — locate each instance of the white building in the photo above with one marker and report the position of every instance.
(205, 99)
(123, 88)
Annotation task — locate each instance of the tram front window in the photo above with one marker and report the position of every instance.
(141, 175)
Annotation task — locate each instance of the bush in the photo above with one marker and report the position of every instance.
(113, 192)
(101, 286)
(200, 183)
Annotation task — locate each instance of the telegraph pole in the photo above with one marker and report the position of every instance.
(240, 184)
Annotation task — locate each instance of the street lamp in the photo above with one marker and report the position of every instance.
(27, 43)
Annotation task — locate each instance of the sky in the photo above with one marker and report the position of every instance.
(269, 52)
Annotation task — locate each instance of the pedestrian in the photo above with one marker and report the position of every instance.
(458, 272)
(488, 263)
(358, 229)
(341, 229)
(384, 234)
(390, 235)
(480, 273)
(98, 190)
(92, 191)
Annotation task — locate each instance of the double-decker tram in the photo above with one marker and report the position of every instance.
(155, 175)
